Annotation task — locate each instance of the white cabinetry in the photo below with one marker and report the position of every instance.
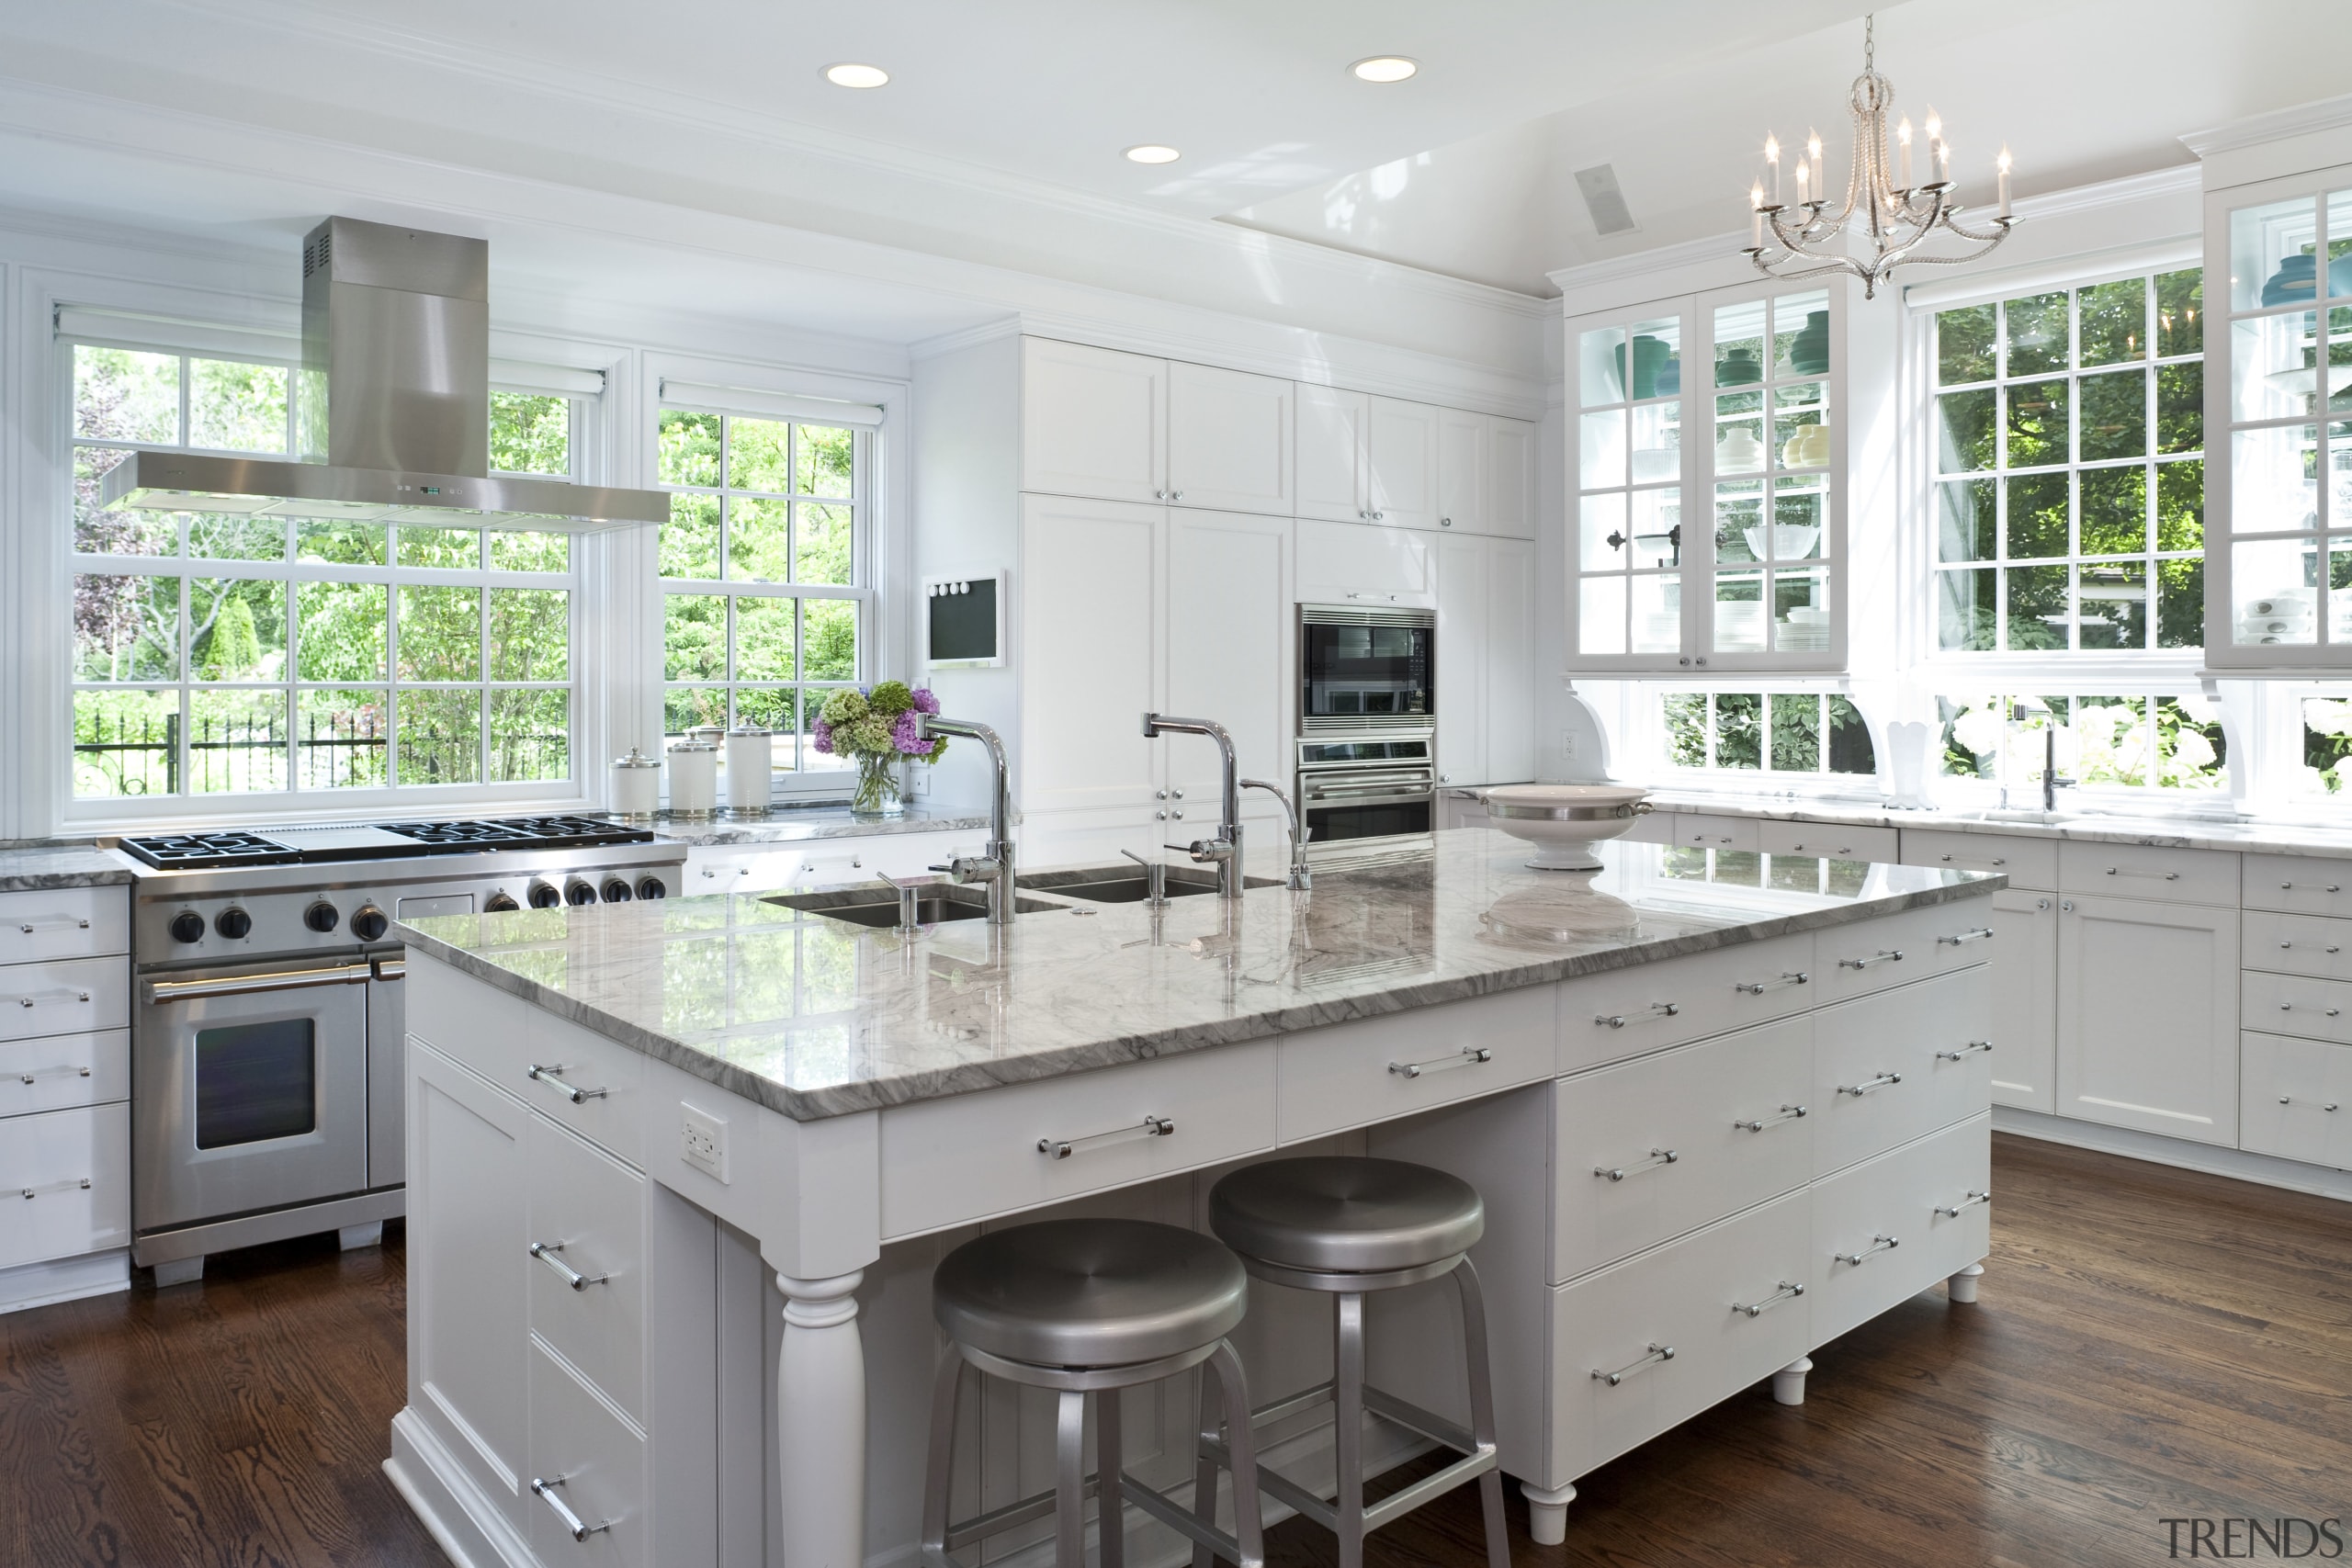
(2148, 1017)
(1227, 610)
(1333, 482)
(1485, 474)
(1093, 422)
(1485, 656)
(1510, 477)
(1402, 458)
(2024, 1004)
(1090, 645)
(822, 862)
(1351, 563)
(1229, 440)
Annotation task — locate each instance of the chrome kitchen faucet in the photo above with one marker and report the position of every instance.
(994, 868)
(1224, 852)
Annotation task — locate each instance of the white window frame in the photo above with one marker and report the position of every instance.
(1647, 728)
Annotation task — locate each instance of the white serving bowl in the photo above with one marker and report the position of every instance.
(1564, 821)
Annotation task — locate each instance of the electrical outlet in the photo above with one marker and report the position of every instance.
(702, 1142)
(1567, 743)
(922, 781)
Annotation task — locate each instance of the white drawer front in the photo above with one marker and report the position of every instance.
(470, 1022)
(1651, 1148)
(2295, 1004)
(820, 863)
(2297, 944)
(1627, 1012)
(967, 1158)
(2295, 1099)
(1829, 840)
(2132, 870)
(1893, 1065)
(63, 922)
(583, 1081)
(1352, 1074)
(2297, 885)
(64, 997)
(1651, 827)
(1700, 832)
(45, 1209)
(1887, 1230)
(587, 1213)
(2027, 862)
(1690, 1297)
(1914, 945)
(64, 1070)
(602, 1465)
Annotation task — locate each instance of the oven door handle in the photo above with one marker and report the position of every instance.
(249, 985)
(1358, 791)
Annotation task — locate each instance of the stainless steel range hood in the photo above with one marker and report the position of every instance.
(391, 405)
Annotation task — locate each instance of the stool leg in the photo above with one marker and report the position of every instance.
(1205, 1468)
(1110, 1518)
(1070, 1479)
(936, 1478)
(1347, 1397)
(1482, 1409)
(1248, 1525)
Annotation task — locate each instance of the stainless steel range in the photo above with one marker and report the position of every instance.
(265, 1044)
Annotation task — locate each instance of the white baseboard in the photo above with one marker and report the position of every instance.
(64, 1279)
(2213, 1160)
(454, 1511)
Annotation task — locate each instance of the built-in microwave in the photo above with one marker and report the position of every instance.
(1365, 670)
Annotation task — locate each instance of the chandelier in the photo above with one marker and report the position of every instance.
(1882, 205)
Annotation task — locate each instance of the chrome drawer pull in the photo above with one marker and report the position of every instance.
(552, 1076)
(1982, 934)
(1954, 1055)
(1878, 1243)
(1658, 1353)
(1979, 860)
(39, 1073)
(2151, 875)
(545, 1490)
(1788, 1113)
(1884, 1080)
(2283, 1100)
(1883, 956)
(53, 923)
(544, 1251)
(1789, 1291)
(1468, 1056)
(1149, 1127)
(81, 1186)
(1619, 1173)
(2331, 887)
(2290, 1007)
(1974, 1197)
(2332, 947)
(32, 999)
(1758, 987)
(1650, 1014)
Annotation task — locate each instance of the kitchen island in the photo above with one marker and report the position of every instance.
(679, 1171)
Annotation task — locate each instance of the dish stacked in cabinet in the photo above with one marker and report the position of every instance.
(64, 1094)
(2295, 1053)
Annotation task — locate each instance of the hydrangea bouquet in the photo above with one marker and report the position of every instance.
(878, 727)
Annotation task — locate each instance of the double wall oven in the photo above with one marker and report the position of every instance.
(1367, 727)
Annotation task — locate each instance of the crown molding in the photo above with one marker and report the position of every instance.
(1633, 263)
(2326, 114)
(2174, 179)
(970, 337)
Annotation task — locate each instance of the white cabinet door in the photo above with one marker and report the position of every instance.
(1350, 563)
(1462, 568)
(1229, 440)
(1093, 422)
(1461, 470)
(1331, 441)
(1510, 661)
(1090, 649)
(1403, 450)
(1229, 617)
(2148, 1017)
(2025, 1000)
(1510, 477)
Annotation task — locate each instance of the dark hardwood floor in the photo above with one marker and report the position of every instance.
(2151, 1345)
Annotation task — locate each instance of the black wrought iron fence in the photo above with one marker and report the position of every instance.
(138, 756)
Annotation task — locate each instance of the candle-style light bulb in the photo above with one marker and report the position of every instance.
(1772, 156)
(1903, 140)
(1813, 156)
(1943, 160)
(2001, 167)
(1801, 173)
(1756, 216)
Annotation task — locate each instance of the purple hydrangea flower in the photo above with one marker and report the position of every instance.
(906, 735)
(822, 734)
(924, 700)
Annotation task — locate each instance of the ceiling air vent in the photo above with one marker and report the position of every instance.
(1604, 200)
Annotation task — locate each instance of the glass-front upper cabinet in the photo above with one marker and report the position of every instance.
(2278, 529)
(1709, 522)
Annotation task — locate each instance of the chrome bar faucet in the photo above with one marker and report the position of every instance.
(1302, 878)
(995, 867)
(1224, 852)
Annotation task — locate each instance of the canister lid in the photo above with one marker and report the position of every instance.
(710, 732)
(678, 746)
(637, 759)
(748, 732)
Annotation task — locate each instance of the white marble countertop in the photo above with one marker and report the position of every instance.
(801, 824)
(814, 1016)
(26, 867)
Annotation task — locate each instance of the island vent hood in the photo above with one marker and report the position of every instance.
(391, 405)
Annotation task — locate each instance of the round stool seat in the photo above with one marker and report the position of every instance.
(1088, 1292)
(1342, 1214)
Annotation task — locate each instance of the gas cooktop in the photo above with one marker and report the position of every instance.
(390, 840)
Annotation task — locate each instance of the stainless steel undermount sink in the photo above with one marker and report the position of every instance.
(1124, 884)
(880, 911)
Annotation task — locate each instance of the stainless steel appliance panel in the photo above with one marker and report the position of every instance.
(386, 1073)
(1366, 670)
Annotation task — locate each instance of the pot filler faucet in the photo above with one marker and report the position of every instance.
(1302, 878)
(995, 868)
(1224, 852)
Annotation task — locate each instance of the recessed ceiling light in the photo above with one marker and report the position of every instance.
(849, 73)
(1385, 68)
(1152, 152)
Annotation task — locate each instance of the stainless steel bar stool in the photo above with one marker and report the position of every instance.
(1351, 1227)
(1088, 1306)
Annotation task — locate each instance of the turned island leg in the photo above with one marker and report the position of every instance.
(1547, 1511)
(821, 1423)
(1962, 1287)
(1788, 1383)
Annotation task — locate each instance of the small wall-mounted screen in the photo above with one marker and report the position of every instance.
(966, 623)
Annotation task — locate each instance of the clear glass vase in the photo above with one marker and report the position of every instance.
(877, 786)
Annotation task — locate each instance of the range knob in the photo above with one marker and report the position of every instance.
(322, 916)
(233, 923)
(616, 890)
(651, 887)
(543, 895)
(577, 892)
(368, 923)
(499, 903)
(187, 926)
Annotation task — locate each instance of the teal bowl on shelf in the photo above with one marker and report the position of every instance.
(2298, 277)
(1809, 350)
(1738, 368)
(1650, 353)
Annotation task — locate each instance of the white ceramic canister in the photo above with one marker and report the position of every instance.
(748, 759)
(636, 784)
(693, 778)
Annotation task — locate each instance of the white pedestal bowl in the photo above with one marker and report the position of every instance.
(1564, 821)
